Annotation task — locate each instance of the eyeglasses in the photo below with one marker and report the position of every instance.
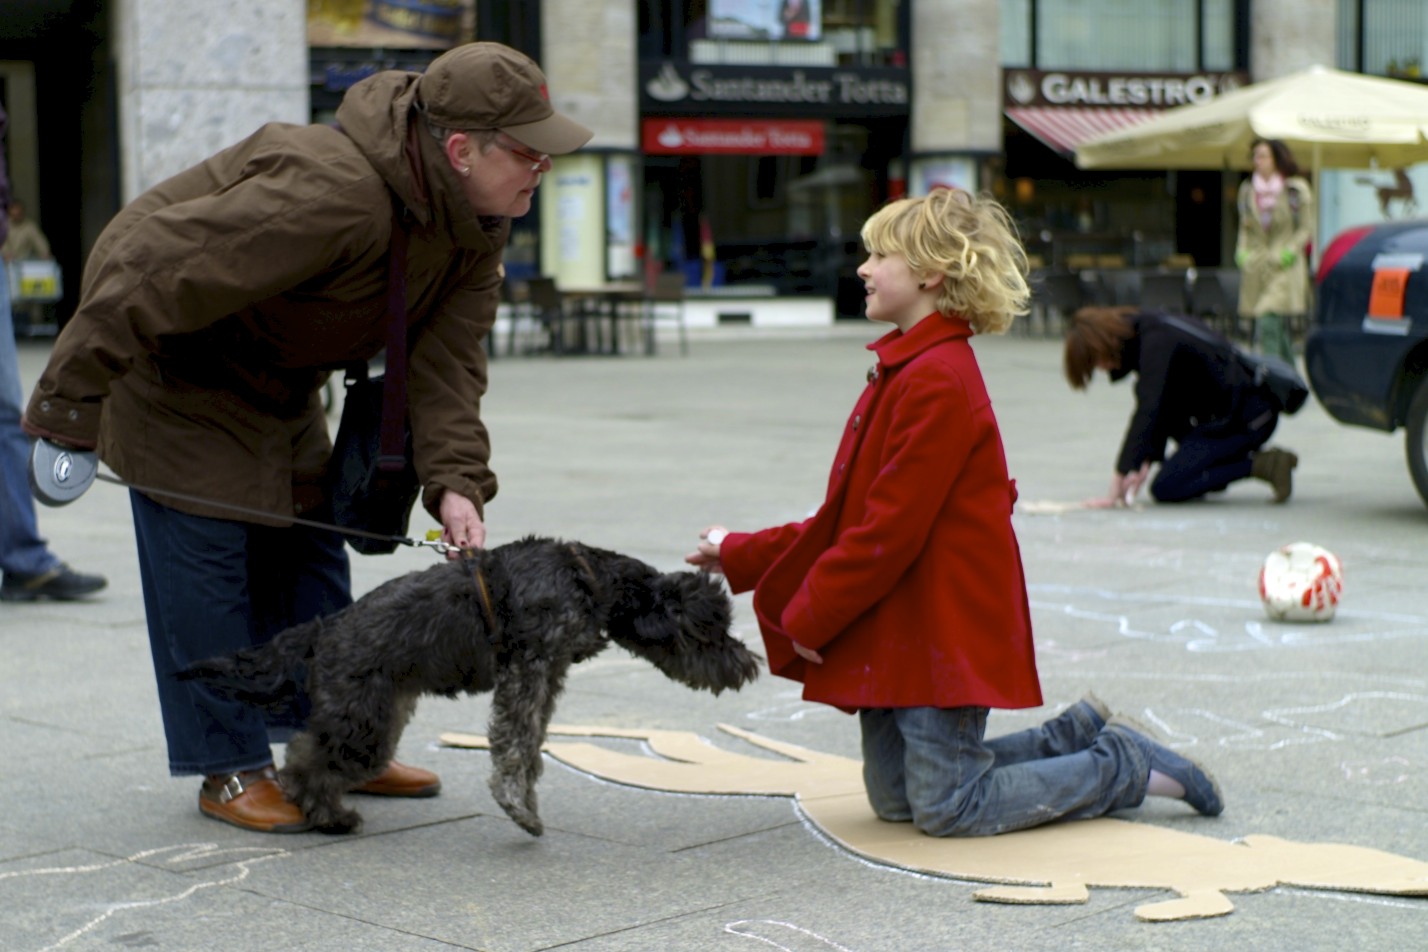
(540, 162)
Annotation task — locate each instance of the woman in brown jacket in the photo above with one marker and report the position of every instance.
(1276, 210)
(212, 310)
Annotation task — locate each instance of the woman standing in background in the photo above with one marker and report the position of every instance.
(1276, 209)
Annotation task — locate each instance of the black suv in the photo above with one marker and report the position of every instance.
(1367, 351)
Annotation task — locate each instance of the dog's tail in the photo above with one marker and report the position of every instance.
(266, 675)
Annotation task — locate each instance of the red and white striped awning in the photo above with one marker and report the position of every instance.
(1063, 128)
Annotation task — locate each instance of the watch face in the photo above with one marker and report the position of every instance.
(715, 536)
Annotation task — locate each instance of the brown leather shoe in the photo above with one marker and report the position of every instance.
(401, 780)
(252, 800)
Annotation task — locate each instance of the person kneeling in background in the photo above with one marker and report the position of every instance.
(1191, 388)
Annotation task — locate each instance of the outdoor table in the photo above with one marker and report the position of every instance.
(598, 302)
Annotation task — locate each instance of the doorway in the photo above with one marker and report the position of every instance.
(56, 84)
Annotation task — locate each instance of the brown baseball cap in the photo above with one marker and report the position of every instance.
(492, 86)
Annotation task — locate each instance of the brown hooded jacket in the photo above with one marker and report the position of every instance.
(214, 306)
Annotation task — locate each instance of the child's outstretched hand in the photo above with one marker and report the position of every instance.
(706, 557)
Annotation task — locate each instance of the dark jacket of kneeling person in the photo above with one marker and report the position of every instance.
(1183, 383)
(1190, 386)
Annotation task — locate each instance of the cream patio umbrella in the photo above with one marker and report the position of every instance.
(1329, 119)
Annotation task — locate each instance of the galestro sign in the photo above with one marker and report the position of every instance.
(1029, 87)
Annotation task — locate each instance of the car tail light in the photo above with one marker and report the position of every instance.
(1338, 248)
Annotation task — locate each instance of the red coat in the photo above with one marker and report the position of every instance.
(908, 580)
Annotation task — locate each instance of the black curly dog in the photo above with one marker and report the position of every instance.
(514, 619)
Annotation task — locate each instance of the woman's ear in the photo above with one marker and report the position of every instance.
(458, 152)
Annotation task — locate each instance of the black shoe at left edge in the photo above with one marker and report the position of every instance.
(60, 583)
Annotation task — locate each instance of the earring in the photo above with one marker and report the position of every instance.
(465, 170)
(922, 285)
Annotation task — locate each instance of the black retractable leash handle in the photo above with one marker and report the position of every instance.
(60, 475)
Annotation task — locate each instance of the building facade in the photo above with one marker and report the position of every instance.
(742, 142)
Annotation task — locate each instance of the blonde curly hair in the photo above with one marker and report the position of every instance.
(971, 241)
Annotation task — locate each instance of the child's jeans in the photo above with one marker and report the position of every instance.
(931, 766)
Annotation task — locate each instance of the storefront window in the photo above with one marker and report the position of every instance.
(787, 32)
(1384, 37)
(1148, 35)
(769, 131)
(1016, 33)
(621, 224)
(1219, 35)
(1116, 34)
(1346, 36)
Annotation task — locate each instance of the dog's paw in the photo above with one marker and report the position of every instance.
(528, 822)
(519, 802)
(525, 818)
(336, 821)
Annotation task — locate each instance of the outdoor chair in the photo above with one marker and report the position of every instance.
(1214, 297)
(1054, 295)
(1209, 302)
(1120, 287)
(540, 308)
(664, 300)
(1164, 291)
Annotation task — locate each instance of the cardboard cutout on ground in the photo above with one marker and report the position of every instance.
(1056, 863)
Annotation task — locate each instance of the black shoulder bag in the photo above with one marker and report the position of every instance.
(371, 480)
(1272, 376)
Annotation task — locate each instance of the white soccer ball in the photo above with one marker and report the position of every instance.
(1301, 582)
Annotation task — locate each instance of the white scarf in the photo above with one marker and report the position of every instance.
(1266, 193)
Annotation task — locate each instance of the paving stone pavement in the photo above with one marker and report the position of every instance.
(1317, 733)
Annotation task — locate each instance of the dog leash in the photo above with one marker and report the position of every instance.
(468, 556)
(478, 578)
(589, 572)
(439, 546)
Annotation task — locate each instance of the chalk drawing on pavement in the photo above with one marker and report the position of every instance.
(1116, 612)
(108, 877)
(783, 935)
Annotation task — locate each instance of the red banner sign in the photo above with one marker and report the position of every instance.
(732, 137)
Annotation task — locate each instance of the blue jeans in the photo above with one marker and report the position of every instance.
(1211, 457)
(213, 587)
(932, 767)
(22, 551)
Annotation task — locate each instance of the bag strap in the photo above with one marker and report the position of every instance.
(392, 442)
(1195, 330)
(392, 453)
(1200, 332)
(1291, 194)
